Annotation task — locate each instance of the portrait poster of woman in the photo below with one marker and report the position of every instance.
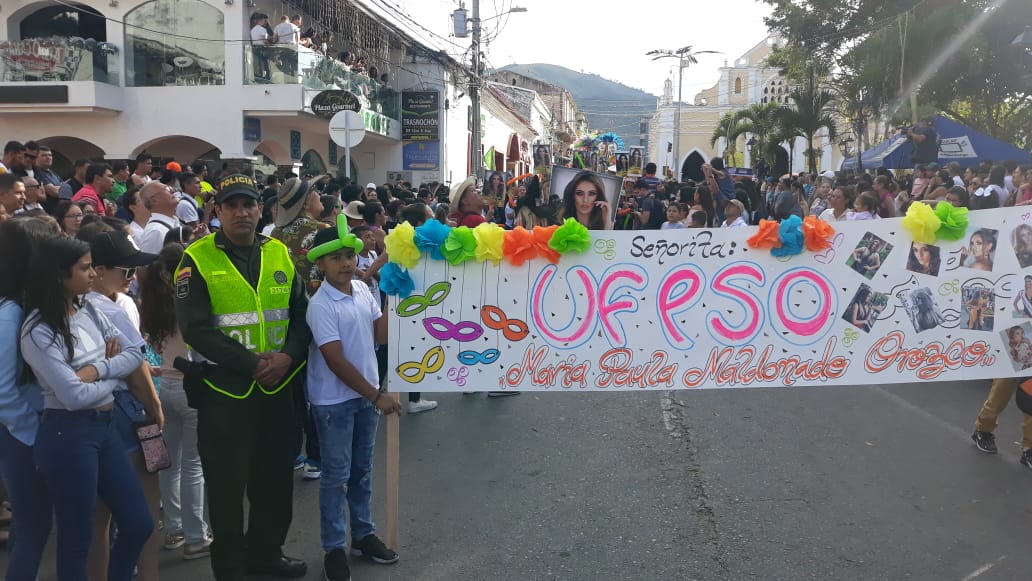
(636, 161)
(622, 160)
(493, 193)
(596, 212)
(542, 159)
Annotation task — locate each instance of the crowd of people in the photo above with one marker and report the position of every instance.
(106, 314)
(143, 298)
(721, 200)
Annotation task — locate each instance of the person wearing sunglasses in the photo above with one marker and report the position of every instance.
(115, 260)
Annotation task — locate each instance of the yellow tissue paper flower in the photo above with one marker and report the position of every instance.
(922, 223)
(401, 245)
(489, 242)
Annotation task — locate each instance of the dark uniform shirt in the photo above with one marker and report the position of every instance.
(193, 311)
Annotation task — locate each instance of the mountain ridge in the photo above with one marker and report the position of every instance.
(609, 105)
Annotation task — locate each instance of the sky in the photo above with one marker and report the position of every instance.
(600, 39)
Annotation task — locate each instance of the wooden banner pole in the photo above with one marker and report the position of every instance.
(393, 474)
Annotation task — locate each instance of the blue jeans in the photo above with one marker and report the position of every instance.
(183, 482)
(30, 506)
(347, 434)
(81, 456)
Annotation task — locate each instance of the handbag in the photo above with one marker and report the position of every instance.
(155, 454)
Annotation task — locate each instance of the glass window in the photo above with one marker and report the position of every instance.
(312, 163)
(175, 42)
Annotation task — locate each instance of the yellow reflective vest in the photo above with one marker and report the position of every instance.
(257, 319)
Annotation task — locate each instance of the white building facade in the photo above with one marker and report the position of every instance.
(181, 79)
(745, 82)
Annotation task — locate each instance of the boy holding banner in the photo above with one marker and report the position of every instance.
(342, 385)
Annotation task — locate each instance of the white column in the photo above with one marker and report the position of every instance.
(827, 152)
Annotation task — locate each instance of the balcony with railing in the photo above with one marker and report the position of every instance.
(44, 75)
(58, 60)
(291, 65)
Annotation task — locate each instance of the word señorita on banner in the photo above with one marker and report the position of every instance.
(932, 296)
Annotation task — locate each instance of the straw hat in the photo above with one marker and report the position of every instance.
(291, 199)
(455, 196)
(354, 210)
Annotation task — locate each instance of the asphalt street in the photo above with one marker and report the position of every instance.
(865, 483)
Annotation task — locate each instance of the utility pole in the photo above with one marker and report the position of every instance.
(474, 94)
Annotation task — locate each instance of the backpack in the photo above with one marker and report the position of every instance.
(658, 215)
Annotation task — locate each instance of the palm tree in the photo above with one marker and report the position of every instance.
(763, 123)
(730, 127)
(812, 111)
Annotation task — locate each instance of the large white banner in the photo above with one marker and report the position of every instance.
(676, 309)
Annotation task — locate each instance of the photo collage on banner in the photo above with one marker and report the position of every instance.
(702, 309)
(591, 195)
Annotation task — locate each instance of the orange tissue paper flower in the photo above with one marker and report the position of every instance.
(766, 236)
(817, 234)
(519, 246)
(541, 236)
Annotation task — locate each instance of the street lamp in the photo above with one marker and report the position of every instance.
(685, 56)
(846, 146)
(474, 84)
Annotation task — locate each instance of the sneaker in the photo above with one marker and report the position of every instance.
(371, 546)
(503, 393)
(335, 566)
(299, 462)
(423, 405)
(312, 471)
(984, 441)
(199, 551)
(1026, 458)
(174, 540)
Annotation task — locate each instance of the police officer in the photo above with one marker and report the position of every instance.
(241, 308)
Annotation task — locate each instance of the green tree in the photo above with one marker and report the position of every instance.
(955, 58)
(812, 110)
(729, 127)
(763, 122)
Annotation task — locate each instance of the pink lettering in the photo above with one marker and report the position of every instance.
(786, 320)
(679, 292)
(731, 282)
(612, 282)
(581, 324)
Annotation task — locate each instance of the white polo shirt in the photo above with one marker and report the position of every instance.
(288, 33)
(335, 316)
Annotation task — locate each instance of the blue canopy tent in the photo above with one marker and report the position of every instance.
(956, 143)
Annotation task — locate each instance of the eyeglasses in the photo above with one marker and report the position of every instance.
(74, 216)
(129, 272)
